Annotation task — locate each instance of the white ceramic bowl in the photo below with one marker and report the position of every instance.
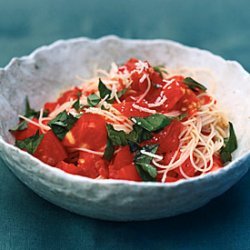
(51, 69)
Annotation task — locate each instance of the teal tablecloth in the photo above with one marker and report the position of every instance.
(29, 222)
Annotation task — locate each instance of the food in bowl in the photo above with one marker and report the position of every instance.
(136, 122)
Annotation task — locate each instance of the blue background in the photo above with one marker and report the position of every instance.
(29, 222)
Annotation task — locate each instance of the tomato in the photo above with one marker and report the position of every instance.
(123, 157)
(131, 64)
(123, 166)
(50, 150)
(92, 165)
(168, 138)
(28, 132)
(187, 168)
(172, 176)
(217, 163)
(88, 132)
(174, 92)
(70, 94)
(69, 168)
(127, 109)
(127, 172)
(189, 103)
(50, 106)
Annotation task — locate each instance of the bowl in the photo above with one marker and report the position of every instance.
(51, 69)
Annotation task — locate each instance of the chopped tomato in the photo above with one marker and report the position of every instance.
(92, 165)
(88, 132)
(217, 163)
(50, 106)
(69, 168)
(50, 150)
(123, 157)
(168, 138)
(172, 176)
(127, 172)
(28, 132)
(128, 110)
(174, 92)
(189, 103)
(70, 94)
(123, 166)
(187, 168)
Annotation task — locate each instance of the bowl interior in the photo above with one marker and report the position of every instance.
(50, 70)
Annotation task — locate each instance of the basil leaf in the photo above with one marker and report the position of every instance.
(30, 144)
(153, 122)
(181, 116)
(19, 127)
(117, 138)
(133, 146)
(230, 145)
(93, 100)
(77, 105)
(109, 150)
(122, 92)
(29, 112)
(62, 123)
(103, 90)
(160, 69)
(143, 165)
(139, 134)
(194, 85)
(119, 94)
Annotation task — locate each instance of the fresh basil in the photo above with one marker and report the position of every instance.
(117, 138)
(160, 69)
(145, 169)
(62, 123)
(77, 105)
(103, 90)
(122, 92)
(153, 122)
(194, 85)
(93, 100)
(120, 138)
(139, 134)
(29, 113)
(30, 144)
(230, 145)
(20, 126)
(109, 150)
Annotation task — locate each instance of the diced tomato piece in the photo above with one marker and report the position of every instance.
(123, 157)
(123, 167)
(50, 150)
(174, 92)
(88, 132)
(217, 163)
(131, 64)
(50, 106)
(172, 176)
(168, 138)
(69, 168)
(189, 103)
(127, 172)
(92, 165)
(187, 168)
(155, 77)
(127, 109)
(28, 132)
(70, 94)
